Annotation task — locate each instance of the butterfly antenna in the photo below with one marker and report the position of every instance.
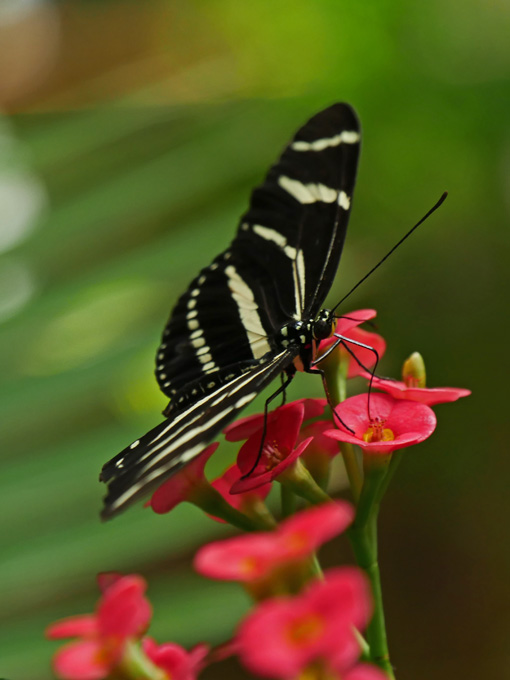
(433, 209)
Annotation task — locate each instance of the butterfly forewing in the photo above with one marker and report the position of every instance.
(298, 217)
(219, 348)
(281, 263)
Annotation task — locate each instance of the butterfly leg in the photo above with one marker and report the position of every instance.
(320, 372)
(342, 340)
(289, 375)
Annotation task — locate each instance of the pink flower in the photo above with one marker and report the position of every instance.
(306, 531)
(284, 635)
(245, 558)
(184, 486)
(278, 452)
(122, 615)
(251, 425)
(425, 395)
(391, 424)
(348, 327)
(244, 502)
(320, 451)
(177, 663)
(252, 557)
(321, 445)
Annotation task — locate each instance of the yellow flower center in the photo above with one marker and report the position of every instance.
(249, 565)
(378, 433)
(318, 671)
(305, 629)
(296, 540)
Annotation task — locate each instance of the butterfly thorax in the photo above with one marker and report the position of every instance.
(304, 336)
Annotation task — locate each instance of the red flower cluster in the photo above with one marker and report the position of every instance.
(379, 424)
(107, 640)
(301, 626)
(283, 444)
(284, 636)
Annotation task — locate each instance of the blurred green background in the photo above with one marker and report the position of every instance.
(130, 135)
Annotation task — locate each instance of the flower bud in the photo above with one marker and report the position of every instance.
(413, 371)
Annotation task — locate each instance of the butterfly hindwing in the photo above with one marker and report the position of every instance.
(146, 463)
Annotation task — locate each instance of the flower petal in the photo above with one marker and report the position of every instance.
(73, 626)
(431, 396)
(177, 663)
(353, 319)
(321, 445)
(281, 434)
(343, 597)
(177, 489)
(246, 427)
(261, 475)
(243, 428)
(82, 660)
(242, 501)
(410, 422)
(242, 558)
(123, 611)
(305, 531)
(364, 357)
(266, 644)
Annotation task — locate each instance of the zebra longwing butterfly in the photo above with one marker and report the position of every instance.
(253, 313)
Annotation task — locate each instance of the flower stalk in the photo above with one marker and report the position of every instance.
(299, 481)
(363, 538)
(212, 502)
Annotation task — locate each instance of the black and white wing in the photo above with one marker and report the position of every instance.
(218, 349)
(148, 461)
(279, 266)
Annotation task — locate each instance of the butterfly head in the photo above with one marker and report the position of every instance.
(324, 325)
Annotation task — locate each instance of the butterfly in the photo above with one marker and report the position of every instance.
(255, 312)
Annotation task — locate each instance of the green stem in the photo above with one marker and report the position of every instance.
(288, 500)
(212, 502)
(364, 543)
(368, 503)
(316, 567)
(395, 462)
(353, 469)
(335, 377)
(136, 665)
(298, 480)
(363, 644)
